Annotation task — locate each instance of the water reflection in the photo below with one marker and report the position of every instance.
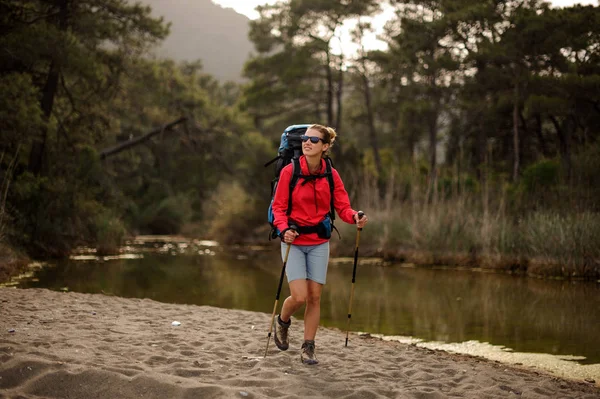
(526, 315)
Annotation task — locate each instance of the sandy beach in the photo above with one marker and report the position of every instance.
(71, 345)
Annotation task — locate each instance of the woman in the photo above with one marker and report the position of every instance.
(309, 254)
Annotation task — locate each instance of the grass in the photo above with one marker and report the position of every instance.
(11, 262)
(478, 230)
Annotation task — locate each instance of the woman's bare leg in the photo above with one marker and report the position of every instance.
(312, 314)
(299, 292)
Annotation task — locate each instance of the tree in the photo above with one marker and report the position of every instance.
(70, 45)
(363, 67)
(295, 73)
(70, 55)
(567, 92)
(422, 43)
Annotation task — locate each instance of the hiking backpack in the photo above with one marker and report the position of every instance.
(290, 150)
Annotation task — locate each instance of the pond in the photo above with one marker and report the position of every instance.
(447, 306)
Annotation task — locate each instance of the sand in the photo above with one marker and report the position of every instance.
(72, 345)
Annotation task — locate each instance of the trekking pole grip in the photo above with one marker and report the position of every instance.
(360, 216)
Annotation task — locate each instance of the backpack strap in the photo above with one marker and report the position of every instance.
(296, 175)
(329, 173)
(293, 181)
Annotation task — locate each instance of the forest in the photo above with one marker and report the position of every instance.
(472, 140)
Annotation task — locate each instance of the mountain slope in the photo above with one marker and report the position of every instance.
(203, 30)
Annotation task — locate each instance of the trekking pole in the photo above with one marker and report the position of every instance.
(360, 215)
(285, 259)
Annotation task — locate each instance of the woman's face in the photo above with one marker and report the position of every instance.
(309, 148)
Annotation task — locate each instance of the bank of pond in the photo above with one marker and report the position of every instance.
(500, 312)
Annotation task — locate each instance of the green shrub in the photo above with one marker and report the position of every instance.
(167, 216)
(230, 213)
(586, 178)
(542, 175)
(470, 185)
(109, 233)
(20, 110)
(586, 166)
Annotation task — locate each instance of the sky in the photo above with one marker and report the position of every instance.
(370, 41)
(246, 7)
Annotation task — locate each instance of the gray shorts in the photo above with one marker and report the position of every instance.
(307, 262)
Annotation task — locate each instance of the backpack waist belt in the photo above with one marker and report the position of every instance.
(307, 229)
(323, 229)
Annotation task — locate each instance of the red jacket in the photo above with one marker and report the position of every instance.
(310, 201)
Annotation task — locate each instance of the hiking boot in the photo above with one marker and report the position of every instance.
(308, 353)
(281, 333)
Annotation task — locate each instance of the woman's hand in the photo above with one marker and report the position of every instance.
(289, 236)
(360, 223)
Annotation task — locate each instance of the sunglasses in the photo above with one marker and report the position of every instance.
(313, 139)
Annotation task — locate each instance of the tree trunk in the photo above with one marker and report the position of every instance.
(480, 141)
(38, 147)
(563, 146)
(330, 119)
(340, 90)
(371, 122)
(433, 149)
(540, 136)
(433, 124)
(411, 144)
(516, 144)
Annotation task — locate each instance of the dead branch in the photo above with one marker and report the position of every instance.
(138, 140)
